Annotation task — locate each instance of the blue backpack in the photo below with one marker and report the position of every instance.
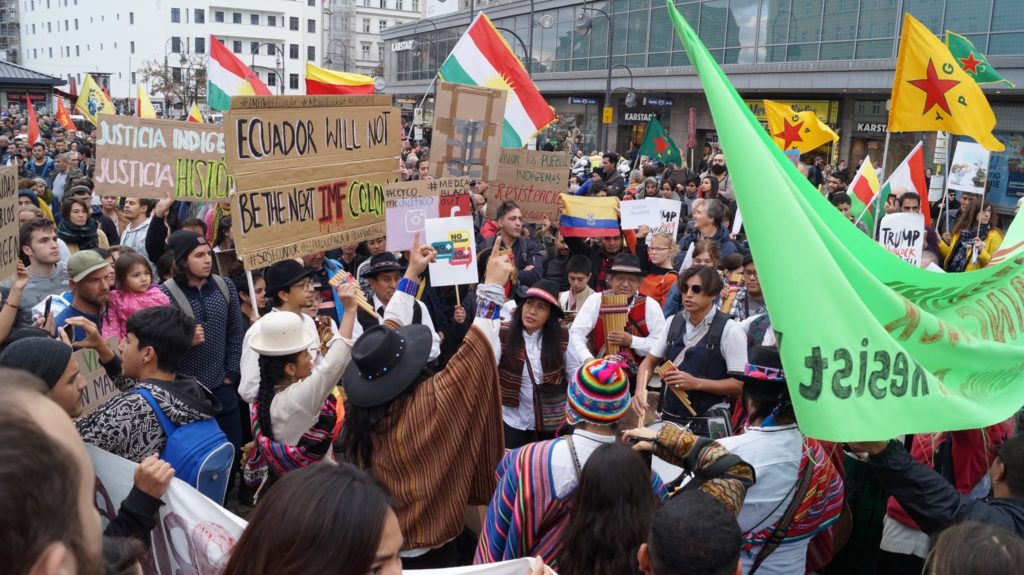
(199, 452)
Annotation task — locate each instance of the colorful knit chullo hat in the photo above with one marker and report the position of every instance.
(599, 393)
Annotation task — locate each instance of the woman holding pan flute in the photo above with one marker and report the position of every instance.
(703, 345)
(621, 322)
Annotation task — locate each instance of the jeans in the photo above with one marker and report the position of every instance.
(228, 419)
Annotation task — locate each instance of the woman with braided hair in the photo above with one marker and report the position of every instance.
(297, 412)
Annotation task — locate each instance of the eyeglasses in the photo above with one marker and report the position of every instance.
(696, 289)
(750, 274)
(654, 249)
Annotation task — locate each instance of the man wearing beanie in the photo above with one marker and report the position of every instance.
(216, 350)
(530, 507)
(50, 360)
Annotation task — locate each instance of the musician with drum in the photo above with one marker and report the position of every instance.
(621, 322)
(703, 345)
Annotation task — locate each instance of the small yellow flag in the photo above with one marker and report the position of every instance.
(92, 101)
(145, 106)
(796, 130)
(930, 92)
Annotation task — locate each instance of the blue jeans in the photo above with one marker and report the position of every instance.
(229, 422)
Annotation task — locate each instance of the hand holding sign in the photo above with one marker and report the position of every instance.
(153, 476)
(419, 256)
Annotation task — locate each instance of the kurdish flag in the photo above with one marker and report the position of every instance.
(889, 349)
(909, 177)
(589, 217)
(972, 60)
(863, 190)
(482, 57)
(227, 76)
(323, 81)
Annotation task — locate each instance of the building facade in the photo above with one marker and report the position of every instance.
(354, 41)
(836, 57)
(114, 41)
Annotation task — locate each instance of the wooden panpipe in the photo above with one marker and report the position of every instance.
(614, 314)
(667, 367)
(345, 277)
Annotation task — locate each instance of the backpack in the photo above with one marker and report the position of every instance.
(181, 301)
(715, 331)
(199, 452)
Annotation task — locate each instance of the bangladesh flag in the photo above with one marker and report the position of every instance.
(872, 347)
(658, 145)
(972, 61)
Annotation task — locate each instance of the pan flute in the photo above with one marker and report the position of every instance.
(614, 314)
(345, 277)
(512, 258)
(666, 367)
(735, 283)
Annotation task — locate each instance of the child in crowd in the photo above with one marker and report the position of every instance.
(578, 270)
(660, 276)
(134, 291)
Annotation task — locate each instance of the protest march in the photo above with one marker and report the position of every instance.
(304, 338)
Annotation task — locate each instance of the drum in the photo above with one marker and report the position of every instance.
(664, 469)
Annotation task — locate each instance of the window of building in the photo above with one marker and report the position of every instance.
(76, 23)
(384, 4)
(133, 78)
(176, 74)
(293, 51)
(293, 81)
(131, 47)
(218, 16)
(366, 25)
(254, 19)
(34, 54)
(33, 28)
(415, 5)
(51, 52)
(311, 3)
(66, 27)
(200, 45)
(131, 16)
(78, 52)
(236, 18)
(175, 15)
(380, 51)
(311, 53)
(311, 26)
(49, 26)
(366, 2)
(293, 23)
(175, 44)
(399, 5)
(236, 46)
(271, 79)
(254, 47)
(199, 16)
(381, 25)
(272, 21)
(365, 48)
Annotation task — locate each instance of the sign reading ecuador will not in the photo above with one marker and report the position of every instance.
(146, 158)
(310, 172)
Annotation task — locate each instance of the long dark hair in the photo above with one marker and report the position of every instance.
(271, 374)
(323, 518)
(551, 356)
(612, 513)
(969, 219)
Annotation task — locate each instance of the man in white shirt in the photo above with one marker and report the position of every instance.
(705, 346)
(383, 272)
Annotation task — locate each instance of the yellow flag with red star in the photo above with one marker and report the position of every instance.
(792, 130)
(931, 92)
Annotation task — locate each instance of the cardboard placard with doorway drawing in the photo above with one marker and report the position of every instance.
(468, 122)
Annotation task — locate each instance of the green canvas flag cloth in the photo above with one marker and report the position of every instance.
(972, 60)
(872, 347)
(658, 145)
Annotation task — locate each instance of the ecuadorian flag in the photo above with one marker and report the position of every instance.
(587, 217)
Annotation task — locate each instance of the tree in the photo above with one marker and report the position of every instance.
(181, 82)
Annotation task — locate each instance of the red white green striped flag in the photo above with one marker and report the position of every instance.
(227, 76)
(482, 57)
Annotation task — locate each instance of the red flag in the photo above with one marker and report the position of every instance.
(63, 118)
(33, 124)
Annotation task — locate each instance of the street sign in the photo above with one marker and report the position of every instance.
(606, 117)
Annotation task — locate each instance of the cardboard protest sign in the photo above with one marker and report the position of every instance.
(146, 158)
(8, 221)
(310, 172)
(454, 242)
(903, 235)
(98, 386)
(531, 179)
(192, 533)
(467, 131)
(969, 170)
(659, 214)
(409, 204)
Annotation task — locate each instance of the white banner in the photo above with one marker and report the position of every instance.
(659, 214)
(903, 235)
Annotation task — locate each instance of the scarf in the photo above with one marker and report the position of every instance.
(83, 236)
(959, 262)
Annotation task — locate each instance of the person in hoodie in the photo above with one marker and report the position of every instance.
(157, 339)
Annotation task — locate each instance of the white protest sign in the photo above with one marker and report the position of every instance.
(455, 244)
(193, 534)
(968, 171)
(659, 214)
(903, 235)
(522, 566)
(407, 205)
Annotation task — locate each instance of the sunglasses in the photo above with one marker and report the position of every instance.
(697, 289)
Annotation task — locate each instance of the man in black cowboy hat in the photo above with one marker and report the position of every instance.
(432, 438)
(383, 274)
(645, 324)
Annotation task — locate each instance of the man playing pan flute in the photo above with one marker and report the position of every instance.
(626, 326)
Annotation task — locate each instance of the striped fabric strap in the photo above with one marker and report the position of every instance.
(408, 286)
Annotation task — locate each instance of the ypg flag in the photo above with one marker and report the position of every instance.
(658, 145)
(796, 131)
(931, 92)
(890, 348)
(93, 101)
(972, 61)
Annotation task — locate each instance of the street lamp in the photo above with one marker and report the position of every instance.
(418, 50)
(279, 62)
(583, 25)
(631, 95)
(521, 43)
(344, 55)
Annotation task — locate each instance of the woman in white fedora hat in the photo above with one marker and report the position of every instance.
(297, 412)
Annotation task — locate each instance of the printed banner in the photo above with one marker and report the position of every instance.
(456, 251)
(146, 158)
(467, 131)
(98, 386)
(9, 226)
(409, 204)
(192, 535)
(533, 180)
(969, 170)
(310, 172)
(903, 235)
(659, 214)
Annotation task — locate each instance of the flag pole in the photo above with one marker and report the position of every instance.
(949, 159)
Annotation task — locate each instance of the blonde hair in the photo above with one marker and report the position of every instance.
(672, 245)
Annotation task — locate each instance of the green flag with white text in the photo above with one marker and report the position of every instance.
(872, 347)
